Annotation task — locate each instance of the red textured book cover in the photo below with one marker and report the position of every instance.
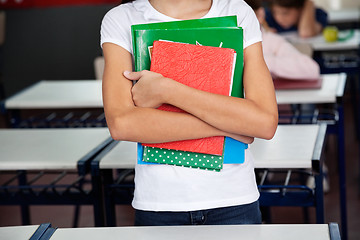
(205, 68)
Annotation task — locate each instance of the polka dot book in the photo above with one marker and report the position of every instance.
(182, 158)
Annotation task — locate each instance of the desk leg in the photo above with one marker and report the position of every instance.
(99, 215)
(342, 177)
(25, 212)
(354, 88)
(109, 202)
(319, 196)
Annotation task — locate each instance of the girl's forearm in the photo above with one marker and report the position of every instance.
(143, 125)
(233, 115)
(150, 125)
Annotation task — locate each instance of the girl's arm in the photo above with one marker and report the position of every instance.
(132, 123)
(256, 115)
(308, 26)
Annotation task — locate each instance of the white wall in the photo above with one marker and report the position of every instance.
(337, 4)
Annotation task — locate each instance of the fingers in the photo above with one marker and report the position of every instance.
(133, 75)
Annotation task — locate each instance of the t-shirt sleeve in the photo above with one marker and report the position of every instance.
(251, 27)
(321, 17)
(115, 31)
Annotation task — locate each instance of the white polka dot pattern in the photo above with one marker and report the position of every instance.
(182, 158)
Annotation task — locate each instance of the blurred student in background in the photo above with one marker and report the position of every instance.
(296, 15)
(282, 58)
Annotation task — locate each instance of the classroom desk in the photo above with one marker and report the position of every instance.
(331, 92)
(28, 155)
(58, 94)
(18, 232)
(318, 43)
(344, 16)
(293, 147)
(32, 232)
(296, 151)
(47, 96)
(121, 155)
(333, 57)
(87, 94)
(245, 232)
(230, 232)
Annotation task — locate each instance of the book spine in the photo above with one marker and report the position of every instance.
(135, 49)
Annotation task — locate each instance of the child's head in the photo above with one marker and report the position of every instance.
(286, 12)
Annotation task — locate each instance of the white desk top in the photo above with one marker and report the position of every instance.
(318, 43)
(333, 86)
(87, 94)
(17, 232)
(124, 154)
(243, 232)
(58, 94)
(41, 149)
(291, 147)
(344, 15)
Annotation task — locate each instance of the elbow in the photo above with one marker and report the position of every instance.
(117, 135)
(307, 33)
(270, 127)
(119, 129)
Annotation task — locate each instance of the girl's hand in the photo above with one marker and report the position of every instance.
(149, 88)
(308, 26)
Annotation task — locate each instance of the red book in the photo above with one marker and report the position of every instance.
(202, 67)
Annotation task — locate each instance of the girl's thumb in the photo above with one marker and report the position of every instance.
(132, 75)
(127, 74)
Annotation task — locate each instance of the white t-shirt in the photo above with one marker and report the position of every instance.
(173, 188)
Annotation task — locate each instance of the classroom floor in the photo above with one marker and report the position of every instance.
(62, 216)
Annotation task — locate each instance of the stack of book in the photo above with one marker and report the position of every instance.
(206, 54)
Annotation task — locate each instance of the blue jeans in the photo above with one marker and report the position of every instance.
(242, 214)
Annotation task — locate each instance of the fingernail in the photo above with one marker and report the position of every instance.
(126, 72)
